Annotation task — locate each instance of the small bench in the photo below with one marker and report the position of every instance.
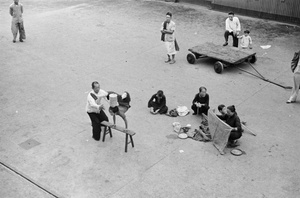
(107, 130)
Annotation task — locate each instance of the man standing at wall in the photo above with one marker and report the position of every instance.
(233, 28)
(16, 11)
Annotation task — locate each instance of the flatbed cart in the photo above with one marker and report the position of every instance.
(225, 56)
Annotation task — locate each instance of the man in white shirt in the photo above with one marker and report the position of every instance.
(233, 28)
(16, 11)
(95, 108)
(168, 37)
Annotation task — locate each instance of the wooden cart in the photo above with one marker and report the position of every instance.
(225, 56)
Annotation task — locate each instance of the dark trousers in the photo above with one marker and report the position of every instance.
(234, 38)
(96, 119)
(199, 111)
(234, 135)
(162, 110)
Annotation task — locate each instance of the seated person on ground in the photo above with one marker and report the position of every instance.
(119, 104)
(232, 119)
(157, 103)
(201, 102)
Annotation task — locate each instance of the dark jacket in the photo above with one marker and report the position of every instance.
(156, 103)
(202, 100)
(233, 121)
(295, 61)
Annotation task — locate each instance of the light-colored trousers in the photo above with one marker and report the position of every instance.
(295, 89)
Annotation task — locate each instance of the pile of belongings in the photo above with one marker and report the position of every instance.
(201, 134)
(179, 129)
(179, 111)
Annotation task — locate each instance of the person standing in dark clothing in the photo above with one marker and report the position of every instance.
(157, 103)
(200, 103)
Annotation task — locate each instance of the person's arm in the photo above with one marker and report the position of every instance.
(151, 99)
(92, 102)
(237, 124)
(250, 42)
(172, 29)
(11, 11)
(207, 100)
(21, 8)
(163, 102)
(195, 99)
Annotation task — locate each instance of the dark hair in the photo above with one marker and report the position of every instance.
(247, 31)
(169, 13)
(94, 83)
(160, 93)
(202, 88)
(220, 107)
(128, 96)
(231, 108)
(230, 13)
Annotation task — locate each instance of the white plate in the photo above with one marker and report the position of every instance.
(182, 135)
(236, 152)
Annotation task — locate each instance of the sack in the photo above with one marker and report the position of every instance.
(182, 110)
(173, 113)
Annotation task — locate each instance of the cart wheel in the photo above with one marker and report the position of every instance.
(191, 58)
(253, 59)
(219, 67)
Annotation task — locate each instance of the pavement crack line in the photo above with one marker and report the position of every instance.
(40, 186)
(164, 157)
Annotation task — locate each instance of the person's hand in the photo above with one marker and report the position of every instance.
(113, 126)
(101, 107)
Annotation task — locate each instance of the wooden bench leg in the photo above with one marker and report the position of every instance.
(106, 131)
(126, 142)
(131, 140)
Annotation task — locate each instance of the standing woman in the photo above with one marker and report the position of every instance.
(157, 103)
(295, 66)
(200, 103)
(232, 119)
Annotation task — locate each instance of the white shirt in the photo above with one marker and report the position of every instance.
(246, 41)
(233, 25)
(93, 105)
(16, 11)
(170, 26)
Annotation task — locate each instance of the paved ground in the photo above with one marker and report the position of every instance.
(44, 83)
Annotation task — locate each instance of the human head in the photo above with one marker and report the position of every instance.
(231, 110)
(160, 94)
(168, 16)
(222, 109)
(16, 1)
(247, 32)
(230, 15)
(202, 91)
(96, 86)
